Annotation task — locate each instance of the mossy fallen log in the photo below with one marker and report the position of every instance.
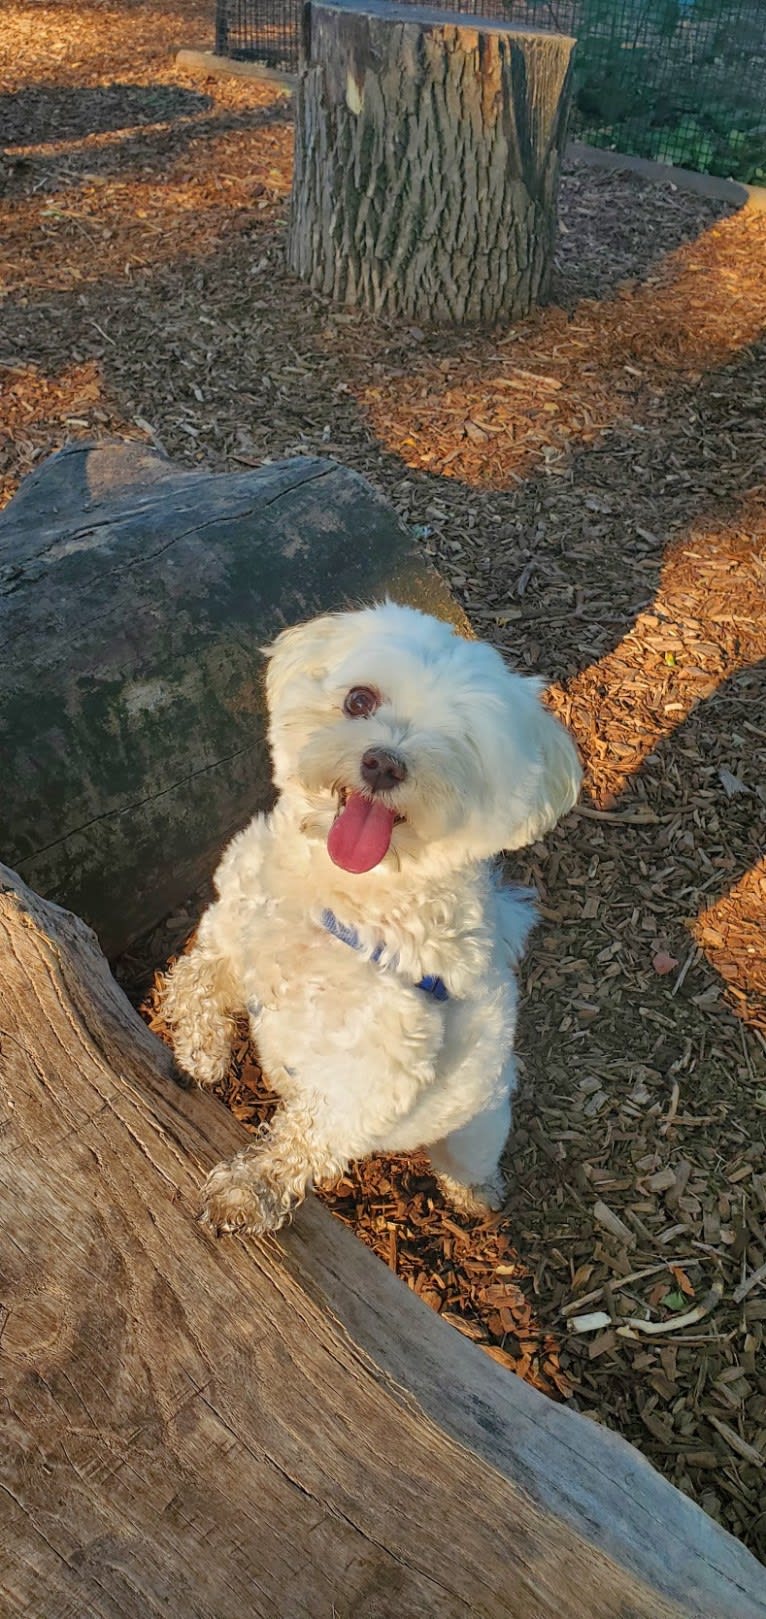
(134, 599)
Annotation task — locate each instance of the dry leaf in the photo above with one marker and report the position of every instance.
(664, 963)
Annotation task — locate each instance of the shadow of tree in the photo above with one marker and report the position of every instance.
(491, 410)
(615, 227)
(571, 560)
(77, 159)
(650, 875)
(38, 114)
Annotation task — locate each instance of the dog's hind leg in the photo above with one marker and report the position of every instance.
(199, 1001)
(467, 1162)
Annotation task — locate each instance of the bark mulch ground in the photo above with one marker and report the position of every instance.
(593, 484)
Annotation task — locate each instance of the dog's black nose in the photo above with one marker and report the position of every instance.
(382, 770)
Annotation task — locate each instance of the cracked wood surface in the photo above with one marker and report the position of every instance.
(134, 600)
(278, 1429)
(427, 156)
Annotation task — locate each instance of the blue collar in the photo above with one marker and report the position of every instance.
(431, 985)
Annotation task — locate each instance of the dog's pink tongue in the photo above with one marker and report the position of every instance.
(361, 834)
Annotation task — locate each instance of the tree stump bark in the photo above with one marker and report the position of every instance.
(427, 157)
(278, 1428)
(134, 599)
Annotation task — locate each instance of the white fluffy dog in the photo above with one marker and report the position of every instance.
(361, 925)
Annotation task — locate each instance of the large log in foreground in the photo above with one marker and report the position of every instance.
(134, 599)
(280, 1430)
(427, 155)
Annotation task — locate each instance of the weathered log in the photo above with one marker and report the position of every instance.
(427, 157)
(276, 1429)
(134, 600)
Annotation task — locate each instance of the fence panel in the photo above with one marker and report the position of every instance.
(682, 81)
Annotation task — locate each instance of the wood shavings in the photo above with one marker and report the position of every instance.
(612, 1223)
(635, 1324)
(737, 1443)
(590, 1323)
(746, 1286)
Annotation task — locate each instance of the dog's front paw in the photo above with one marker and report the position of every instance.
(201, 1065)
(201, 1027)
(235, 1199)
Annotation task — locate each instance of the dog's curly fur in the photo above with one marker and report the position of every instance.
(363, 1058)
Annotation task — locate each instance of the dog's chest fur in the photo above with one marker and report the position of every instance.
(356, 1032)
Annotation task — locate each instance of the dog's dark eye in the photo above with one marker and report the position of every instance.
(360, 701)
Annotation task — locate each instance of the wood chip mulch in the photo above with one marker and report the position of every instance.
(593, 484)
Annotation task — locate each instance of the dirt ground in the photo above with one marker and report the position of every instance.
(593, 484)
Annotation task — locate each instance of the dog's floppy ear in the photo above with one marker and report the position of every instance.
(551, 783)
(302, 650)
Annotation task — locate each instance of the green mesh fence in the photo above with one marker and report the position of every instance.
(681, 81)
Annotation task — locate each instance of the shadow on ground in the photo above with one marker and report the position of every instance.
(39, 114)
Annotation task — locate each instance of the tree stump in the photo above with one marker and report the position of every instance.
(427, 159)
(276, 1428)
(134, 600)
